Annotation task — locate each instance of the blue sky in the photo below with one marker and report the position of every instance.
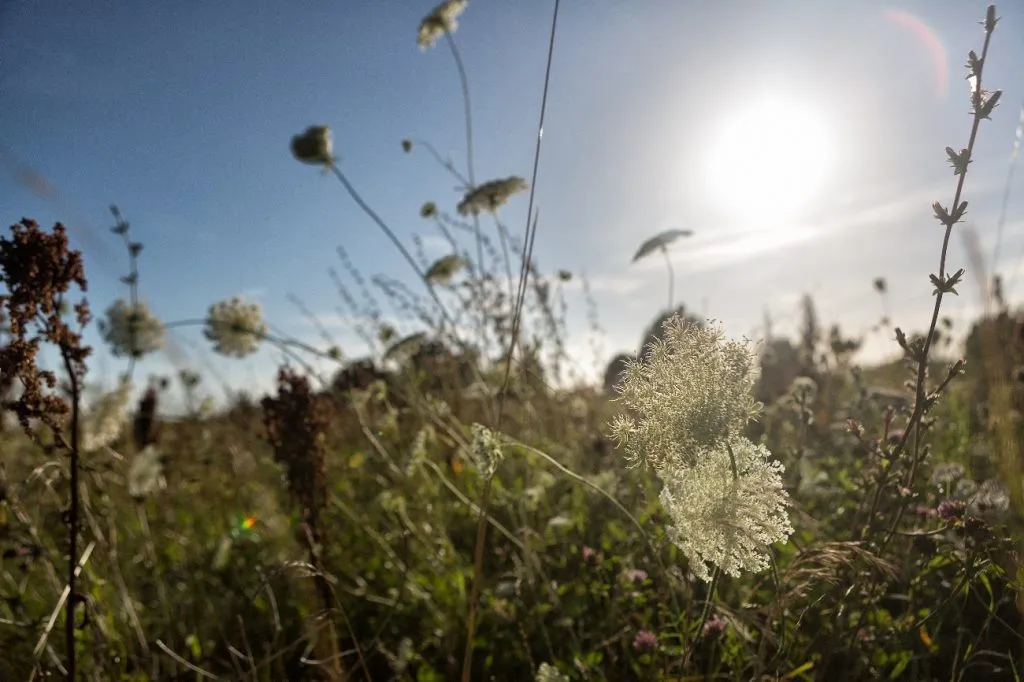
(181, 113)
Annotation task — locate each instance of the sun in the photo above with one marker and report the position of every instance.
(769, 161)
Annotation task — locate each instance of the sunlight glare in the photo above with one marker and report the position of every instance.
(769, 161)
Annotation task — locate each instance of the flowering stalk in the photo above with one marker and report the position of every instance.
(982, 105)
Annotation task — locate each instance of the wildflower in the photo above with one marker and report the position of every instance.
(946, 473)
(992, 498)
(428, 210)
(727, 508)
(951, 510)
(486, 450)
(549, 673)
(490, 196)
(713, 627)
(146, 472)
(635, 575)
(588, 552)
(645, 640)
(314, 146)
(235, 327)
(107, 418)
(691, 389)
(442, 19)
(804, 390)
(132, 331)
(444, 269)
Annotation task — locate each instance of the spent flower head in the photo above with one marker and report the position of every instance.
(235, 327)
(314, 146)
(490, 196)
(727, 508)
(131, 331)
(442, 19)
(691, 390)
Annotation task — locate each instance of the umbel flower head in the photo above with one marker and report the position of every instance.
(131, 331)
(691, 388)
(442, 19)
(235, 327)
(688, 401)
(490, 196)
(106, 420)
(314, 146)
(727, 508)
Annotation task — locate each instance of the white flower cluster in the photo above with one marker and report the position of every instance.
(486, 450)
(442, 19)
(105, 420)
(692, 388)
(549, 673)
(490, 196)
(235, 327)
(688, 401)
(132, 331)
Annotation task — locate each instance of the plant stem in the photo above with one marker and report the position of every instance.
(671, 276)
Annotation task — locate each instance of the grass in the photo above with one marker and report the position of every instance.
(443, 510)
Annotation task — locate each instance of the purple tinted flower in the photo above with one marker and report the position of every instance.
(713, 627)
(951, 510)
(645, 640)
(588, 553)
(635, 575)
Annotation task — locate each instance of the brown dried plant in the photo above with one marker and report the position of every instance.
(37, 270)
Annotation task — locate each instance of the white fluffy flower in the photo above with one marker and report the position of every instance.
(692, 388)
(442, 19)
(106, 419)
(146, 473)
(724, 517)
(490, 196)
(131, 331)
(486, 451)
(235, 327)
(549, 673)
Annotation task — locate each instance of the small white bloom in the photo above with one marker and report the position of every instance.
(549, 673)
(490, 196)
(146, 473)
(946, 473)
(486, 451)
(235, 327)
(131, 331)
(442, 19)
(106, 419)
(723, 517)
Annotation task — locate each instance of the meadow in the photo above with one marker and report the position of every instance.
(448, 508)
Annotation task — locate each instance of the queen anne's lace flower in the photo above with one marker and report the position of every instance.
(235, 327)
(490, 196)
(442, 19)
(691, 388)
(549, 673)
(131, 331)
(106, 419)
(723, 517)
(688, 401)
